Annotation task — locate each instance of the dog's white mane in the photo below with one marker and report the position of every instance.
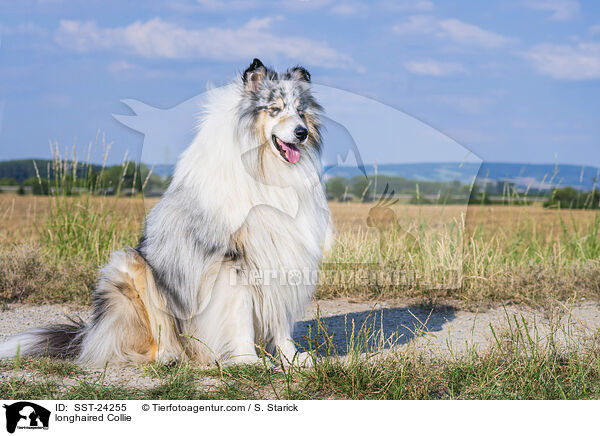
(284, 217)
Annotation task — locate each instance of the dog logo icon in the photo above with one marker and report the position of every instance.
(26, 415)
(383, 218)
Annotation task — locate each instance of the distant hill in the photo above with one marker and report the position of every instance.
(536, 176)
(541, 176)
(437, 172)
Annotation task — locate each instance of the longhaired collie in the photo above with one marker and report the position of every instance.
(229, 256)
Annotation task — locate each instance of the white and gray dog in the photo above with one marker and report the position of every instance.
(215, 275)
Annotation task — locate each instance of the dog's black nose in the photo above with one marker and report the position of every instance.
(301, 133)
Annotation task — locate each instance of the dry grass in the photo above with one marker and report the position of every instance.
(476, 255)
(50, 249)
(27, 275)
(493, 219)
(23, 216)
(500, 254)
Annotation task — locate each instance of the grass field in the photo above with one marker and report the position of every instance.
(50, 249)
(471, 256)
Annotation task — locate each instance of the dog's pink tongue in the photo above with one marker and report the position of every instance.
(291, 152)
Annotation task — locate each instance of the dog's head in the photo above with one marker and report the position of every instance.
(280, 110)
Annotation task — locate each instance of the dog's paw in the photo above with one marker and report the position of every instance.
(303, 360)
(167, 358)
(245, 359)
(299, 360)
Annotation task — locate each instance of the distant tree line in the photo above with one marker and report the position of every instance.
(419, 192)
(360, 188)
(70, 179)
(570, 198)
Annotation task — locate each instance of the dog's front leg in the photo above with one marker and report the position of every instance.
(225, 328)
(288, 354)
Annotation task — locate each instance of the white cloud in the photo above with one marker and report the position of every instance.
(353, 7)
(338, 7)
(349, 8)
(594, 29)
(431, 67)
(408, 5)
(125, 70)
(562, 10)
(302, 5)
(158, 39)
(417, 24)
(567, 62)
(453, 30)
(212, 5)
(119, 67)
(465, 33)
(225, 4)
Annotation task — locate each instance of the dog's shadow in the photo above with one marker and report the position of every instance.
(370, 330)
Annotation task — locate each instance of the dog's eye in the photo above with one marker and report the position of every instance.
(300, 110)
(274, 110)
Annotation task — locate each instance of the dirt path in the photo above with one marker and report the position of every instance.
(440, 331)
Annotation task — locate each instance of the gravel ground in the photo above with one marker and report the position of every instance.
(446, 329)
(442, 330)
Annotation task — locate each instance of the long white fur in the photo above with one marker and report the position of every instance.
(234, 195)
(284, 220)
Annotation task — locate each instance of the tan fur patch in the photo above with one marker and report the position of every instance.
(239, 240)
(161, 322)
(279, 104)
(144, 343)
(261, 121)
(264, 144)
(313, 137)
(283, 119)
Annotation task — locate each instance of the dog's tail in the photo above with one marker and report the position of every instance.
(129, 320)
(59, 340)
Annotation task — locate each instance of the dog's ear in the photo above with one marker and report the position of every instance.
(253, 75)
(299, 73)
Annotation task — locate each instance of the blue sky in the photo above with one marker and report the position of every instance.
(514, 80)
